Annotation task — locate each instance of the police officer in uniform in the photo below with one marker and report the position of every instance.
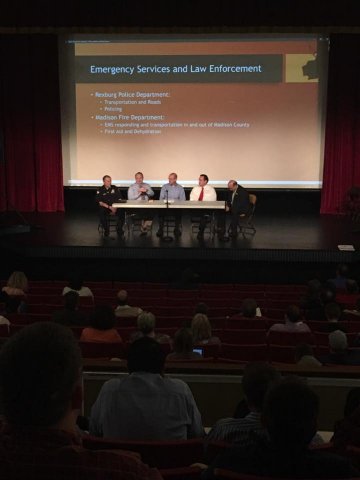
(105, 197)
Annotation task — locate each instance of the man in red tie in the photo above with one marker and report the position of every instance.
(203, 193)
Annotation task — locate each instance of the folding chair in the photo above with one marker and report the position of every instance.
(112, 222)
(245, 222)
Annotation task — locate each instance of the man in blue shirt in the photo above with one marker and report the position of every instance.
(141, 191)
(171, 191)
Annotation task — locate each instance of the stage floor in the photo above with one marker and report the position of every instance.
(298, 238)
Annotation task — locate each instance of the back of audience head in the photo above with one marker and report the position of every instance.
(303, 349)
(249, 307)
(76, 282)
(42, 391)
(201, 307)
(293, 314)
(183, 341)
(102, 317)
(328, 293)
(122, 297)
(256, 381)
(71, 300)
(342, 270)
(146, 355)
(314, 288)
(18, 280)
(290, 414)
(338, 341)
(332, 311)
(146, 323)
(201, 328)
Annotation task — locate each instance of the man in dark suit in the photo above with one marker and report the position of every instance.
(237, 203)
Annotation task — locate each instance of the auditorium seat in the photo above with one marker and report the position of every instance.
(290, 338)
(102, 350)
(40, 299)
(219, 323)
(244, 287)
(37, 317)
(159, 454)
(210, 350)
(222, 474)
(243, 323)
(126, 322)
(244, 337)
(353, 327)
(282, 354)
(216, 286)
(170, 321)
(181, 473)
(188, 294)
(4, 330)
(244, 353)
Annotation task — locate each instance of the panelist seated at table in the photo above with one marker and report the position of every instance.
(106, 195)
(203, 192)
(142, 192)
(171, 191)
(237, 204)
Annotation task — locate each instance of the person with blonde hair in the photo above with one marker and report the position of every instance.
(146, 328)
(201, 330)
(17, 284)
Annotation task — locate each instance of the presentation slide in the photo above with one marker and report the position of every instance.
(249, 109)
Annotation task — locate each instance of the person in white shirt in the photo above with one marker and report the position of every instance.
(203, 193)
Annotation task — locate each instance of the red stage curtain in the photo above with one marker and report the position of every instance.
(342, 138)
(30, 121)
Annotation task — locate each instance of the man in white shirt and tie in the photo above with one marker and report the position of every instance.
(203, 193)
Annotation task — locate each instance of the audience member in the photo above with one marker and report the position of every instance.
(257, 379)
(355, 311)
(347, 430)
(201, 307)
(328, 293)
(146, 405)
(342, 273)
(17, 285)
(339, 352)
(201, 330)
(312, 303)
(70, 315)
(249, 309)
(350, 296)
(333, 314)
(102, 326)
(183, 346)
(146, 328)
(41, 392)
(11, 305)
(304, 356)
(290, 417)
(123, 309)
(293, 322)
(76, 284)
(4, 298)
